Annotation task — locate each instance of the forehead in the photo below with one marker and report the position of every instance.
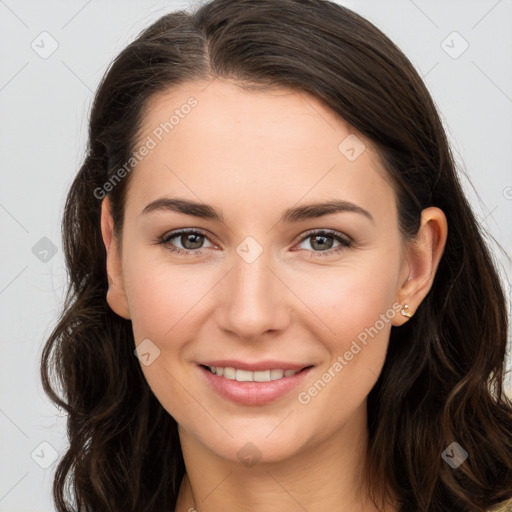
(216, 140)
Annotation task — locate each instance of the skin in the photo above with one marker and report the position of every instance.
(252, 155)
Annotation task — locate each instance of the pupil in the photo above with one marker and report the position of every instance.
(321, 237)
(185, 239)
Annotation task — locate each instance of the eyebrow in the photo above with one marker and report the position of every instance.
(291, 215)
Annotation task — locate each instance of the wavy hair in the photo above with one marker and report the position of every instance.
(443, 376)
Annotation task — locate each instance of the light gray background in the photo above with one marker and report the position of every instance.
(44, 106)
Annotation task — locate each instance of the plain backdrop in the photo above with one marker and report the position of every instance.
(53, 54)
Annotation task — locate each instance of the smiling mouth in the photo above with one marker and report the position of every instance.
(240, 375)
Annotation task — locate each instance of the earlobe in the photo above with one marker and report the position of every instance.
(422, 260)
(116, 296)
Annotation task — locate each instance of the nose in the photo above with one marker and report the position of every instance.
(253, 300)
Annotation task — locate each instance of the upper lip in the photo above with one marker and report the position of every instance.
(256, 366)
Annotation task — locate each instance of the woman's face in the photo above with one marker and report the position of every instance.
(266, 281)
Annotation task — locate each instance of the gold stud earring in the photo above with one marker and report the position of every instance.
(405, 311)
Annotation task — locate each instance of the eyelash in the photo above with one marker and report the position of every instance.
(345, 242)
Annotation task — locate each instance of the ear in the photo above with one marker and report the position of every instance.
(422, 257)
(116, 296)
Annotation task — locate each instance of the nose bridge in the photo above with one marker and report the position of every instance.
(253, 299)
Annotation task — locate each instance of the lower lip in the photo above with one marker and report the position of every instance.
(253, 393)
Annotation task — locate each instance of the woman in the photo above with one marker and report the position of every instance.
(279, 296)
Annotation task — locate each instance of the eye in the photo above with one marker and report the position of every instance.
(191, 240)
(322, 242)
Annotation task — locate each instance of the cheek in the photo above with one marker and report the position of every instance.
(164, 301)
(163, 297)
(347, 299)
(354, 306)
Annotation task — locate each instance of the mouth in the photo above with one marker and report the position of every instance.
(258, 384)
(241, 375)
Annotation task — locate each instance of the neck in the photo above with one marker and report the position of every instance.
(327, 475)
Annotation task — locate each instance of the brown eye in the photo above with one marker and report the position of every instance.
(323, 242)
(185, 242)
(190, 240)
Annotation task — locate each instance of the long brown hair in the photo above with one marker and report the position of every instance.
(442, 379)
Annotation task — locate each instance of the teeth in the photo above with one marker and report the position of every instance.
(247, 376)
(243, 376)
(229, 373)
(276, 374)
(261, 376)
